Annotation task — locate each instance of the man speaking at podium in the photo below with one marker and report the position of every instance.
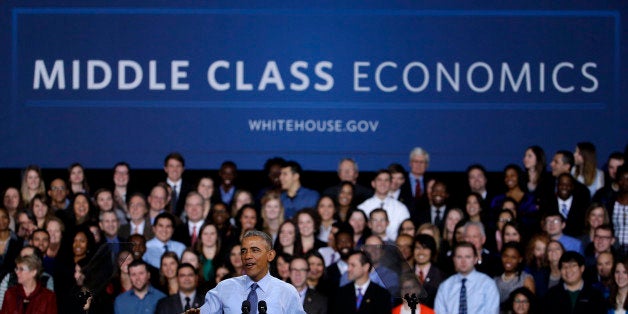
(257, 292)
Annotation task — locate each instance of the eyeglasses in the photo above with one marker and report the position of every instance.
(21, 269)
(602, 237)
(504, 219)
(300, 270)
(57, 188)
(553, 221)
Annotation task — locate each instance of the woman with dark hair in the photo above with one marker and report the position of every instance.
(326, 208)
(40, 209)
(513, 276)
(585, 169)
(247, 219)
(522, 301)
(26, 224)
(527, 211)
(209, 250)
(535, 163)
(219, 216)
(361, 231)
(168, 283)
(234, 262)
(205, 188)
(78, 182)
(280, 268)
(316, 276)
(345, 200)
(82, 212)
(9, 244)
(428, 274)
(289, 240)
(308, 222)
(104, 203)
(618, 300)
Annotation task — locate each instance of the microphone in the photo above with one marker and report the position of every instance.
(261, 307)
(246, 307)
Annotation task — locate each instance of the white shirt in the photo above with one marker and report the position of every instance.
(566, 202)
(396, 210)
(198, 226)
(176, 185)
(441, 213)
(139, 229)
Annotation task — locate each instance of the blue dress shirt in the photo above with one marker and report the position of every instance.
(227, 297)
(482, 294)
(304, 198)
(155, 249)
(129, 303)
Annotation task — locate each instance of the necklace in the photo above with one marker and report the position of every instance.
(507, 279)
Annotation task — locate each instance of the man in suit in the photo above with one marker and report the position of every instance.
(361, 295)
(188, 296)
(433, 209)
(348, 171)
(571, 206)
(109, 224)
(174, 165)
(188, 232)
(399, 175)
(562, 162)
(228, 172)
(343, 242)
(417, 182)
(313, 302)
(139, 223)
(426, 272)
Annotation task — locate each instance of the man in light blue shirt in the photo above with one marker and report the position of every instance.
(142, 298)
(294, 196)
(468, 291)
(163, 227)
(256, 286)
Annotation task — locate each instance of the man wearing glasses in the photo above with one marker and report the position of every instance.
(554, 224)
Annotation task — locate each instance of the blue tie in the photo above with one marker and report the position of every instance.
(463, 298)
(563, 209)
(252, 298)
(358, 299)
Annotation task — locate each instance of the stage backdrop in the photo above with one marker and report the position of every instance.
(101, 81)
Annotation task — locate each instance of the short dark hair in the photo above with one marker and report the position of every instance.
(165, 215)
(122, 163)
(397, 168)
(428, 242)
(377, 211)
(364, 258)
(571, 256)
(382, 171)
(463, 244)
(607, 227)
(184, 265)
(567, 157)
(138, 262)
(272, 162)
(293, 165)
(176, 156)
(478, 167)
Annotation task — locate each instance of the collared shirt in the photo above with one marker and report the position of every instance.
(227, 196)
(441, 213)
(413, 184)
(227, 296)
(394, 194)
(571, 244)
(182, 297)
(302, 294)
(567, 205)
(302, 199)
(362, 288)
(176, 185)
(139, 229)
(396, 210)
(198, 226)
(482, 294)
(129, 302)
(155, 249)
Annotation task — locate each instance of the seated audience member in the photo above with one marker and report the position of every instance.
(29, 295)
(504, 216)
(187, 297)
(358, 221)
(569, 205)
(241, 198)
(467, 291)
(536, 262)
(433, 208)
(407, 227)
(26, 224)
(110, 226)
(378, 222)
(205, 188)
(618, 299)
(345, 201)
(104, 202)
(247, 219)
(158, 201)
(428, 274)
(348, 172)
(294, 196)
(329, 253)
(609, 191)
(281, 266)
(536, 177)
(188, 232)
(162, 242)
(12, 201)
(601, 280)
(11, 279)
(405, 244)
(55, 229)
(554, 224)
(397, 211)
(139, 223)
(478, 183)
(522, 301)
(513, 181)
(361, 294)
(313, 302)
(573, 295)
(596, 215)
(168, 274)
(39, 208)
(554, 251)
(289, 240)
(272, 213)
(317, 277)
(142, 298)
(344, 246)
(563, 162)
(432, 231)
(209, 248)
(513, 276)
(32, 184)
(399, 174)
(603, 240)
(326, 209)
(219, 216)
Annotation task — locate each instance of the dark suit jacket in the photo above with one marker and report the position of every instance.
(182, 234)
(360, 192)
(433, 279)
(574, 225)
(423, 214)
(172, 304)
(376, 300)
(125, 230)
(315, 303)
(183, 193)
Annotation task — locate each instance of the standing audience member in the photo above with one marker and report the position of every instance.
(228, 172)
(138, 222)
(174, 166)
(32, 184)
(121, 178)
(294, 196)
(585, 170)
(348, 172)
(428, 274)
(162, 242)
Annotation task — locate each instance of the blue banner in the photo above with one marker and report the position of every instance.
(98, 84)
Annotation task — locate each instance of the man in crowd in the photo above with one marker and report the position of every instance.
(188, 232)
(228, 172)
(142, 298)
(313, 302)
(162, 242)
(554, 224)
(348, 172)
(139, 223)
(58, 194)
(108, 223)
(294, 196)
(157, 201)
(188, 296)
(174, 166)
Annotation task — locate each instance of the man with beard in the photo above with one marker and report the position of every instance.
(142, 298)
(343, 245)
(432, 210)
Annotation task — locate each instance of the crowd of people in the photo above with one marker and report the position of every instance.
(553, 239)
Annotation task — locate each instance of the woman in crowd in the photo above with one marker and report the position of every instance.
(272, 213)
(504, 216)
(246, 220)
(26, 224)
(345, 201)
(240, 198)
(358, 221)
(308, 223)
(554, 251)
(595, 216)
(234, 262)
(78, 182)
(219, 217)
(513, 276)
(512, 232)
(32, 184)
(281, 267)
(82, 212)
(104, 203)
(536, 262)
(12, 201)
(527, 208)
(205, 188)
(55, 228)
(40, 210)
(618, 300)
(208, 249)
(316, 277)
(29, 296)
(289, 240)
(535, 163)
(522, 301)
(9, 244)
(431, 230)
(168, 283)
(473, 208)
(585, 169)
(326, 209)
(407, 227)
(428, 274)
